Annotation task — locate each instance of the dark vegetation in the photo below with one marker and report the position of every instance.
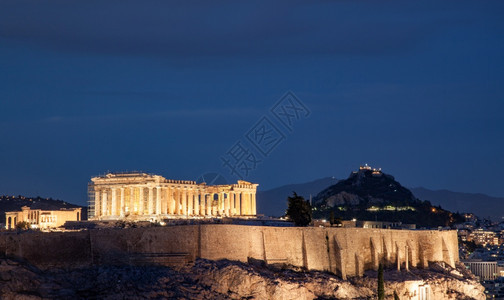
(381, 284)
(368, 196)
(299, 210)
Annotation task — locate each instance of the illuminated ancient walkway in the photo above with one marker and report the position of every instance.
(145, 196)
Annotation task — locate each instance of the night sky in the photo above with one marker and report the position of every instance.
(172, 88)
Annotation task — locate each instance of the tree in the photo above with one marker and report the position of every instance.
(381, 286)
(299, 210)
(23, 225)
(396, 297)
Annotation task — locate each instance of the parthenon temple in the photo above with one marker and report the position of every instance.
(143, 196)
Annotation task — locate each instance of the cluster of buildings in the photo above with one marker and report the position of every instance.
(364, 224)
(366, 167)
(482, 252)
(483, 233)
(482, 237)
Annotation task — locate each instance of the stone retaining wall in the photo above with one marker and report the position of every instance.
(343, 251)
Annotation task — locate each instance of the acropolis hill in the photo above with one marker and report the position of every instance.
(348, 252)
(344, 252)
(141, 196)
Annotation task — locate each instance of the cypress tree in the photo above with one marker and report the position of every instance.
(381, 286)
(396, 297)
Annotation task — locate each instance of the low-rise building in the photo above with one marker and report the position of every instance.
(377, 224)
(485, 270)
(42, 219)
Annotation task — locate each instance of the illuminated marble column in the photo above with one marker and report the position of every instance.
(230, 199)
(184, 202)
(232, 208)
(196, 203)
(164, 206)
(97, 203)
(150, 204)
(171, 201)
(180, 200)
(190, 202)
(122, 202)
(203, 203)
(254, 208)
(174, 201)
(168, 200)
(104, 203)
(227, 204)
(177, 201)
(158, 200)
(252, 203)
(141, 201)
(114, 202)
(243, 204)
(219, 204)
(249, 202)
(237, 197)
(215, 208)
(209, 203)
(222, 204)
(131, 200)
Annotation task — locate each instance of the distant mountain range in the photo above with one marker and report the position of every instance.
(14, 203)
(482, 205)
(273, 202)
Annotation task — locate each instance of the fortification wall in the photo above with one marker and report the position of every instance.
(344, 251)
(48, 249)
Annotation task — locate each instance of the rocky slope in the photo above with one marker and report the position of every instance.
(217, 280)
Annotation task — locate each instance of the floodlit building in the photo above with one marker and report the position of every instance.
(485, 270)
(42, 219)
(376, 224)
(142, 196)
(483, 237)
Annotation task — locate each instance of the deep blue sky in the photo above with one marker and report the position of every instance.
(168, 87)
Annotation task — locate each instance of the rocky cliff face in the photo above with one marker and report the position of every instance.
(220, 280)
